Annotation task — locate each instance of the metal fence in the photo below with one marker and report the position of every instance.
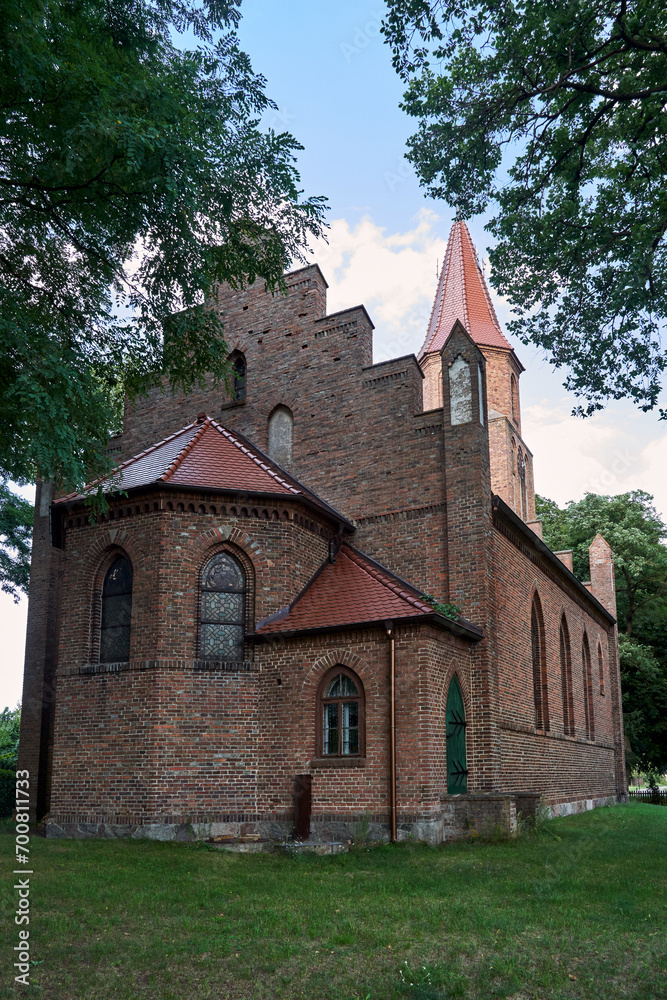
(654, 796)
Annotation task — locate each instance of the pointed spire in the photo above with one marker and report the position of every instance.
(463, 294)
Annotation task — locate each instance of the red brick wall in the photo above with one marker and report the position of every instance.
(564, 767)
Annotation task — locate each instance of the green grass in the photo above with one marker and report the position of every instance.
(576, 911)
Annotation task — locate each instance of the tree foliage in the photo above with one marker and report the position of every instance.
(10, 725)
(134, 177)
(556, 113)
(16, 517)
(630, 524)
(636, 534)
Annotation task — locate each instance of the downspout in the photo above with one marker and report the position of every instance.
(392, 743)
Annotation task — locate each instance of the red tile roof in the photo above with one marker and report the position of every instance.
(352, 590)
(463, 294)
(207, 455)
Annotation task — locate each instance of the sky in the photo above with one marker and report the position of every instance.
(330, 74)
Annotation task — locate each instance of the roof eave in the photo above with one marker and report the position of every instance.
(470, 632)
(508, 514)
(65, 505)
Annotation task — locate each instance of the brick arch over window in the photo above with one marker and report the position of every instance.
(110, 638)
(456, 722)
(539, 662)
(322, 667)
(341, 714)
(255, 563)
(107, 547)
(587, 683)
(239, 555)
(566, 677)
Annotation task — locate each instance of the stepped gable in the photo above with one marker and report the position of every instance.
(463, 295)
(206, 455)
(354, 590)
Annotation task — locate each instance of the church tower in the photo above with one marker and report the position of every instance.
(463, 296)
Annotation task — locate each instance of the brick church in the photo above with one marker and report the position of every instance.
(320, 599)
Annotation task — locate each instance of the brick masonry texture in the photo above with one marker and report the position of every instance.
(169, 743)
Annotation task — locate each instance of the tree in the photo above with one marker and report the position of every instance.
(134, 177)
(636, 534)
(16, 517)
(10, 725)
(555, 113)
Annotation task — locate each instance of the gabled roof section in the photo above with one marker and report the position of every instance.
(463, 295)
(206, 455)
(355, 590)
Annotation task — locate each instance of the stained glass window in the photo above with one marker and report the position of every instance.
(222, 609)
(116, 612)
(341, 708)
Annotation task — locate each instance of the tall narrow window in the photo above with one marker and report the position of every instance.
(514, 390)
(566, 679)
(523, 497)
(540, 687)
(238, 363)
(222, 609)
(116, 612)
(455, 732)
(601, 669)
(281, 435)
(588, 688)
(341, 714)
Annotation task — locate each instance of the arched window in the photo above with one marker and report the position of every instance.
(281, 435)
(514, 389)
(238, 374)
(116, 612)
(514, 470)
(341, 714)
(601, 669)
(523, 494)
(566, 679)
(455, 732)
(222, 619)
(540, 688)
(588, 688)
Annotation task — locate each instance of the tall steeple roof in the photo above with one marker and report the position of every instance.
(463, 294)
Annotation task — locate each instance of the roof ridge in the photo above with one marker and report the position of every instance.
(171, 468)
(246, 451)
(379, 574)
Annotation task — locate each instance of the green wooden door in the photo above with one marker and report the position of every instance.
(457, 772)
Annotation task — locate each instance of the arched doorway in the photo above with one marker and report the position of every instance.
(457, 771)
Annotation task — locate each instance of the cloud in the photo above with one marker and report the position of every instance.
(607, 453)
(393, 275)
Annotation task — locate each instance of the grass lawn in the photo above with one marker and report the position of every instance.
(578, 910)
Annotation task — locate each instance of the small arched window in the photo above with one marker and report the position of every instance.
(601, 669)
(222, 618)
(540, 687)
(281, 435)
(523, 493)
(341, 714)
(587, 681)
(566, 678)
(238, 374)
(116, 612)
(514, 390)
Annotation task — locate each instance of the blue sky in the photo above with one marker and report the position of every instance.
(330, 74)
